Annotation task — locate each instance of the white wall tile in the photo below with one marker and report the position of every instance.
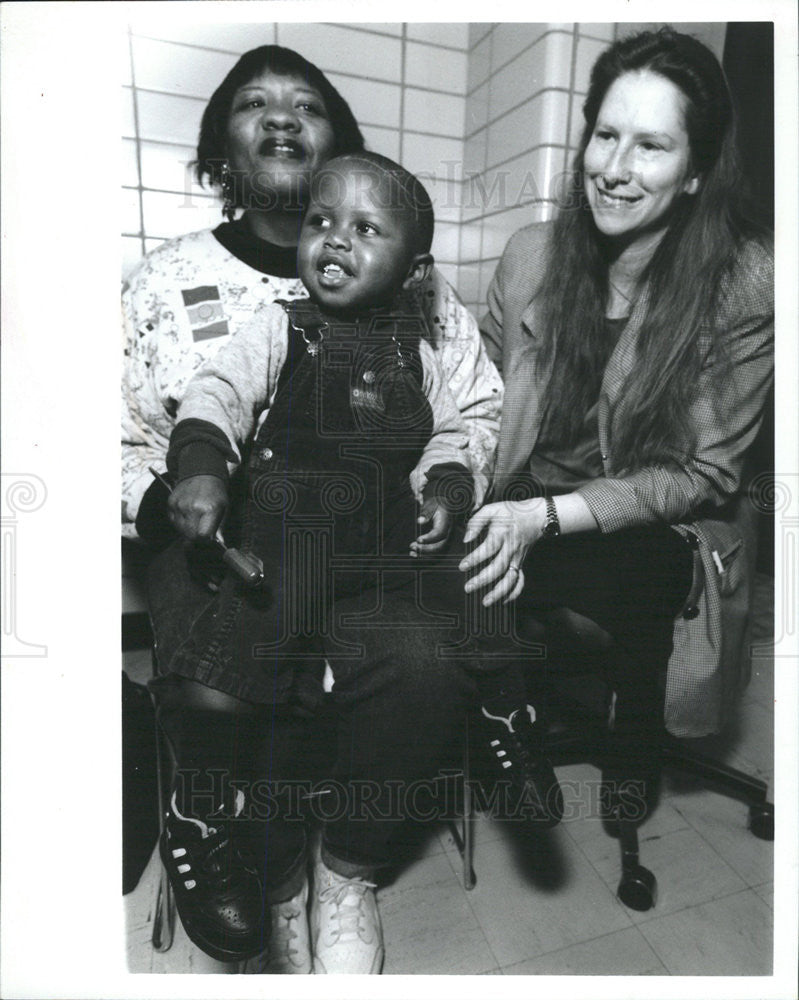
(588, 50)
(479, 67)
(510, 38)
(129, 221)
(606, 30)
(129, 163)
(577, 119)
(441, 114)
(167, 167)
(450, 272)
(469, 282)
(372, 102)
(453, 33)
(446, 242)
(382, 27)
(476, 109)
(168, 118)
(439, 69)
(228, 37)
(179, 69)
(517, 80)
(128, 124)
(125, 68)
(151, 244)
(486, 193)
(547, 63)
(382, 140)
(528, 178)
(173, 214)
(474, 153)
(471, 240)
(446, 197)
(340, 49)
(498, 229)
(478, 30)
(486, 269)
(541, 120)
(437, 157)
(131, 254)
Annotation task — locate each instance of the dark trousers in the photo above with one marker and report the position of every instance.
(362, 761)
(631, 584)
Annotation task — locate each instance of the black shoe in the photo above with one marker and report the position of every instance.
(515, 749)
(217, 888)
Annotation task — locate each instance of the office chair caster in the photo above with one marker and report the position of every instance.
(637, 888)
(761, 820)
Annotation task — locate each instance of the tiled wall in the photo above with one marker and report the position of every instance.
(488, 114)
(524, 91)
(406, 84)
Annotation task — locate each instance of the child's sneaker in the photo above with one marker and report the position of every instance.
(345, 924)
(217, 888)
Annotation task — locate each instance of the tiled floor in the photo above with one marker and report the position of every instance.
(547, 904)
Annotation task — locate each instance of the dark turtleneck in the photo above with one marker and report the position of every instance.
(267, 258)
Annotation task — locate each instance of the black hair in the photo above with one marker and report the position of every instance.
(408, 194)
(211, 146)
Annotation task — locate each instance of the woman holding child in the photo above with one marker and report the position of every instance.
(234, 698)
(635, 339)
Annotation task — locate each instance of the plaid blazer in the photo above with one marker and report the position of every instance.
(706, 671)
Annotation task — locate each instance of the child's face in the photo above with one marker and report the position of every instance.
(356, 248)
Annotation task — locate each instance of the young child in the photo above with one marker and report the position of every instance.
(360, 428)
(359, 463)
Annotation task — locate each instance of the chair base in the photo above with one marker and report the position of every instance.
(638, 885)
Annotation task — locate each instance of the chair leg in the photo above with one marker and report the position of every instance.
(638, 886)
(732, 782)
(464, 837)
(469, 877)
(165, 911)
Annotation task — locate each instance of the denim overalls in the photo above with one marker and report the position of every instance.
(327, 506)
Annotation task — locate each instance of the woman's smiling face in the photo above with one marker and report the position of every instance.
(278, 134)
(638, 161)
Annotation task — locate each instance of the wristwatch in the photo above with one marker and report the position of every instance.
(552, 524)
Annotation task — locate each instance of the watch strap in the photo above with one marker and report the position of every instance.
(552, 523)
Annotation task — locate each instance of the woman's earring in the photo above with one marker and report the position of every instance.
(228, 202)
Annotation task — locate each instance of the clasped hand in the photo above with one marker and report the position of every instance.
(197, 506)
(509, 531)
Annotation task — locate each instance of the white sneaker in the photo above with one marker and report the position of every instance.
(289, 951)
(345, 925)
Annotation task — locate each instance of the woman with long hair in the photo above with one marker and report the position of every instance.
(635, 339)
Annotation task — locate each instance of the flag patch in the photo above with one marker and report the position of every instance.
(205, 312)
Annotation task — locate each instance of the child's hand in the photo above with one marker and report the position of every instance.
(197, 506)
(440, 521)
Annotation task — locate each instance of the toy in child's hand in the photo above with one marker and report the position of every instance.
(246, 566)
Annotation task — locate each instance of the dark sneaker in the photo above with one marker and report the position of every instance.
(217, 888)
(515, 750)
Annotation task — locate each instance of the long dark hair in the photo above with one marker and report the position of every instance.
(684, 280)
(275, 59)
